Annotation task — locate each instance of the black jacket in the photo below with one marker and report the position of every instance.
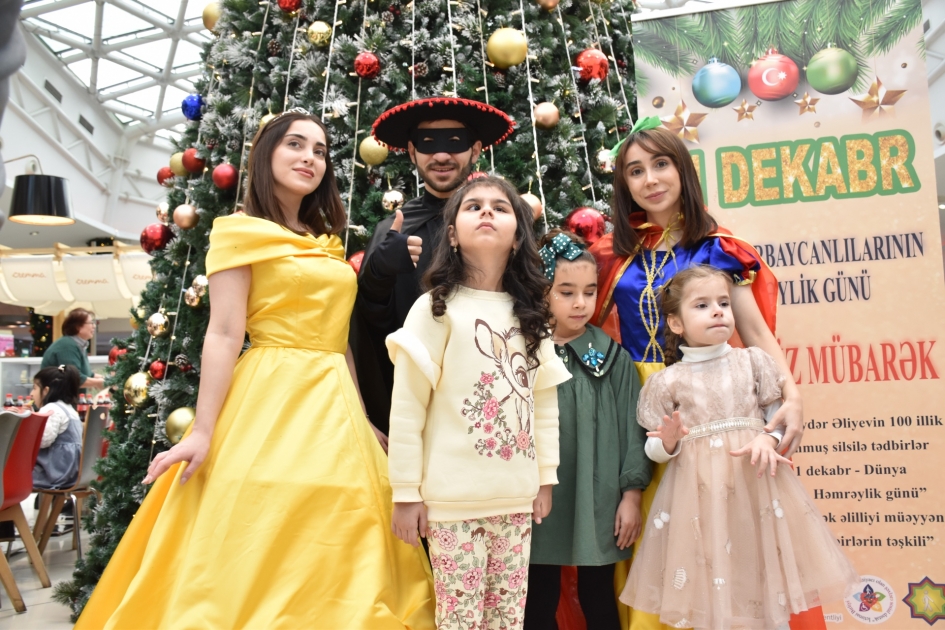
(388, 286)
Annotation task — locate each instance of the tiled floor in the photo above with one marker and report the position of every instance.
(41, 611)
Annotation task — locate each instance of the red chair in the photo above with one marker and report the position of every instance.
(18, 484)
(9, 425)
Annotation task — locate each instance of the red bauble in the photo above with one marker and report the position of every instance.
(192, 163)
(225, 176)
(164, 175)
(593, 64)
(290, 6)
(367, 65)
(587, 223)
(773, 76)
(476, 175)
(355, 261)
(157, 370)
(114, 353)
(155, 236)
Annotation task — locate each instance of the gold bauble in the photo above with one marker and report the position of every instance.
(177, 164)
(507, 47)
(200, 285)
(265, 120)
(605, 163)
(393, 200)
(185, 216)
(134, 323)
(191, 298)
(535, 203)
(158, 325)
(372, 151)
(548, 5)
(211, 13)
(136, 388)
(178, 422)
(319, 33)
(162, 212)
(546, 115)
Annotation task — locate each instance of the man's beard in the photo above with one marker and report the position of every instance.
(452, 184)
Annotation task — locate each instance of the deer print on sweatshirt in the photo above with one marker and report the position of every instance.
(511, 379)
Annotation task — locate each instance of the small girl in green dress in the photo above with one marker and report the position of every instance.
(603, 468)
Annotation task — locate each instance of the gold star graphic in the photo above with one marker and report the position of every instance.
(745, 111)
(878, 101)
(807, 104)
(683, 123)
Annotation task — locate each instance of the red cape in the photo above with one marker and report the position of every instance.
(611, 267)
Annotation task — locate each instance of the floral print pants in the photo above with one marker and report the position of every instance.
(480, 571)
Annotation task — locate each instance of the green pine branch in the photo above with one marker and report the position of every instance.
(891, 28)
(659, 53)
(719, 36)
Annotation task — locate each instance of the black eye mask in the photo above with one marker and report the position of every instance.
(430, 141)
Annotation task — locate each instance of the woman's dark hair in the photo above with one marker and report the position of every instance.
(75, 320)
(63, 383)
(322, 210)
(585, 256)
(670, 299)
(523, 279)
(697, 222)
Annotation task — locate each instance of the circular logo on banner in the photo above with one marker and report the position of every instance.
(873, 603)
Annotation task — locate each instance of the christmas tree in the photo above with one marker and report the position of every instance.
(348, 61)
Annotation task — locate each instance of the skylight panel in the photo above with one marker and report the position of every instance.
(187, 53)
(78, 19)
(113, 76)
(153, 53)
(116, 22)
(142, 99)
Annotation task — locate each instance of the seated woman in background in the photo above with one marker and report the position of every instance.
(55, 390)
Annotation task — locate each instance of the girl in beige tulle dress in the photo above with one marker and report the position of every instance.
(733, 541)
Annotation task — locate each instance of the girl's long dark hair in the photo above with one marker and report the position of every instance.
(322, 210)
(697, 222)
(523, 279)
(63, 383)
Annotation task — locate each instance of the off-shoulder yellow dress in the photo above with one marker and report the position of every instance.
(287, 522)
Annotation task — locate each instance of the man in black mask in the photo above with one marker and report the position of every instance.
(444, 137)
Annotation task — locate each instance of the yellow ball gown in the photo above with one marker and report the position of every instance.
(287, 522)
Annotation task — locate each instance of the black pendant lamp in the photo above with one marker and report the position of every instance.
(41, 200)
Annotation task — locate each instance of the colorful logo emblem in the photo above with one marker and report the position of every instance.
(926, 600)
(873, 603)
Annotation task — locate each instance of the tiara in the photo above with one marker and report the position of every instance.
(294, 110)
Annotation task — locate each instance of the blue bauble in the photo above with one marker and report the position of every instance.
(717, 84)
(192, 106)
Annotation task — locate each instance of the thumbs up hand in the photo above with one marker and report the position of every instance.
(414, 243)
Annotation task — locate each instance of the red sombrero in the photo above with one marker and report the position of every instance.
(393, 127)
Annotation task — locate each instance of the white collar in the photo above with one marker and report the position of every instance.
(705, 353)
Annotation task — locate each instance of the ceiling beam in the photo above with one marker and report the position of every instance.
(136, 130)
(30, 11)
(96, 44)
(159, 20)
(60, 37)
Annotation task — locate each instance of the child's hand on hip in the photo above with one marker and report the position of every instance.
(541, 506)
(671, 432)
(409, 521)
(763, 453)
(629, 520)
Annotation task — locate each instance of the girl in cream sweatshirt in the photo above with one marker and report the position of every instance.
(474, 414)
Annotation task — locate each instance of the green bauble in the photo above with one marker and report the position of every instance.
(832, 70)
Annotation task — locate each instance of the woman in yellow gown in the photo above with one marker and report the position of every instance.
(281, 518)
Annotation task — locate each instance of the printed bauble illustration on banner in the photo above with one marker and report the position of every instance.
(809, 122)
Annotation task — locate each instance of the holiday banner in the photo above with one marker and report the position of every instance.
(809, 123)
